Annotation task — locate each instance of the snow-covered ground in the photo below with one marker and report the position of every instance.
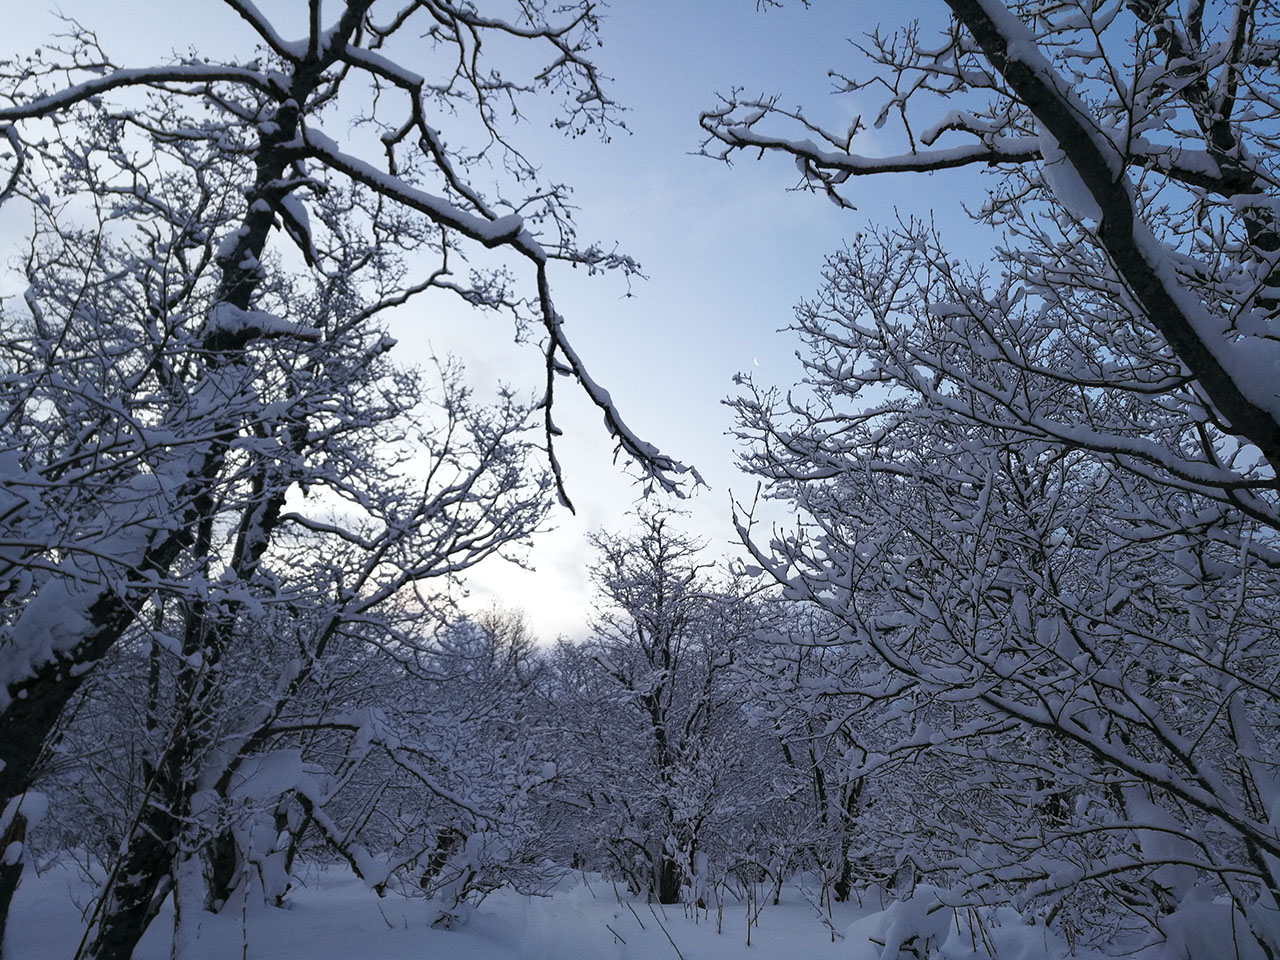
(335, 915)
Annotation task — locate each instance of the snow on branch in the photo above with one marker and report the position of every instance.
(1239, 377)
(833, 166)
(656, 466)
(502, 231)
(122, 78)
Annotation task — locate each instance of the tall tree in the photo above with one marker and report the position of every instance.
(138, 425)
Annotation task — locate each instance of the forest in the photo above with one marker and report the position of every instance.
(992, 674)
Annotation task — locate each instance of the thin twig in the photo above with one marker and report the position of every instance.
(664, 930)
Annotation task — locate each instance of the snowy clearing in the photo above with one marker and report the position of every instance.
(335, 915)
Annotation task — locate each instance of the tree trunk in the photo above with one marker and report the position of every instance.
(145, 875)
(844, 883)
(222, 869)
(10, 873)
(669, 877)
(851, 794)
(142, 883)
(34, 707)
(447, 841)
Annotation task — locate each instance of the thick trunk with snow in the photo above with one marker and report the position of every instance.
(141, 882)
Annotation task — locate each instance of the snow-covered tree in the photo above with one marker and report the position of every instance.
(1150, 123)
(1042, 494)
(205, 277)
(799, 678)
(649, 705)
(483, 677)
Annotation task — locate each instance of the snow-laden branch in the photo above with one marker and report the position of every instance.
(124, 78)
(1239, 376)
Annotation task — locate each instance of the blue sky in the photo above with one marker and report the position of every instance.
(727, 251)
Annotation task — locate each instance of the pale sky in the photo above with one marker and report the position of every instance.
(727, 251)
